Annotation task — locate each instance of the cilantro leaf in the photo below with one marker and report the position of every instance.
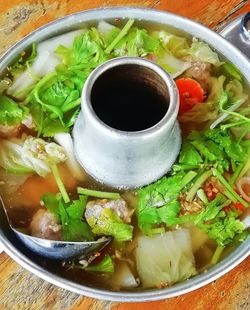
(212, 209)
(217, 148)
(77, 208)
(158, 202)
(10, 112)
(70, 216)
(110, 224)
(224, 229)
(106, 265)
(23, 61)
(169, 213)
(50, 201)
(189, 155)
(85, 51)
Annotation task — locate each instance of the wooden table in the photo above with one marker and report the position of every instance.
(19, 289)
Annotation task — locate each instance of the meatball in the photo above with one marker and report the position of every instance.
(201, 72)
(95, 208)
(45, 225)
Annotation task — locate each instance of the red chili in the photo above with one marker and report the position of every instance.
(238, 206)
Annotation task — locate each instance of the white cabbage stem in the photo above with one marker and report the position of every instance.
(65, 140)
(44, 63)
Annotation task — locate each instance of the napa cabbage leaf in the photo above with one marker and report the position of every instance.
(201, 51)
(30, 155)
(177, 45)
(165, 259)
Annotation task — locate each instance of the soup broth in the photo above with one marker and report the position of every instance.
(165, 232)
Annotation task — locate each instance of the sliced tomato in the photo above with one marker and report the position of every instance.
(190, 92)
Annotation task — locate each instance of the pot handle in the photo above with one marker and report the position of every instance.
(238, 33)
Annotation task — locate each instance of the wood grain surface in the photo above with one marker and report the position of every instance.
(19, 289)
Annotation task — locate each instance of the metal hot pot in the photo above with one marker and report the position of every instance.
(13, 247)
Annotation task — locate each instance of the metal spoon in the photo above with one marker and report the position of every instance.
(58, 250)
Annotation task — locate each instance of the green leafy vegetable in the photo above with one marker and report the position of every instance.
(70, 215)
(137, 43)
(99, 194)
(205, 153)
(158, 203)
(59, 183)
(107, 32)
(10, 112)
(120, 35)
(23, 62)
(197, 184)
(177, 45)
(233, 195)
(232, 70)
(202, 51)
(212, 209)
(217, 254)
(110, 224)
(106, 265)
(189, 155)
(50, 201)
(86, 52)
(217, 148)
(31, 154)
(224, 228)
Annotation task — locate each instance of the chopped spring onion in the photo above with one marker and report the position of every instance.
(228, 187)
(236, 174)
(59, 183)
(188, 178)
(227, 112)
(159, 230)
(198, 183)
(217, 254)
(122, 34)
(98, 194)
(201, 194)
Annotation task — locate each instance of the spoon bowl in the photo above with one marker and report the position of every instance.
(61, 250)
(57, 249)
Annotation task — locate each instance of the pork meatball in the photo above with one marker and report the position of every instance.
(45, 225)
(95, 208)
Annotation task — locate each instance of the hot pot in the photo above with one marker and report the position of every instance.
(13, 247)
